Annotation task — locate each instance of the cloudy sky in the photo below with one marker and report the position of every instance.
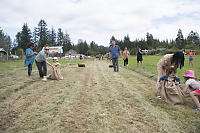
(98, 20)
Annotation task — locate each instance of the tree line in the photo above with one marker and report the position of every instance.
(192, 41)
(42, 35)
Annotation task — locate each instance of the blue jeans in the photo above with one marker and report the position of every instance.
(29, 69)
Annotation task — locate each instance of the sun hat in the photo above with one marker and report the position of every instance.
(189, 73)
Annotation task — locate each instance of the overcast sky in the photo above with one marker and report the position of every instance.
(98, 20)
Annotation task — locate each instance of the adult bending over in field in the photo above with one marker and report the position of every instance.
(164, 64)
(114, 51)
(41, 61)
(29, 57)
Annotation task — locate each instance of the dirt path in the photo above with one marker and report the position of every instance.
(90, 99)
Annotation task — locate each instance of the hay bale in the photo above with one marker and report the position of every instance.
(81, 65)
(110, 66)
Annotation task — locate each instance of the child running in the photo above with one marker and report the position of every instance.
(56, 75)
(194, 84)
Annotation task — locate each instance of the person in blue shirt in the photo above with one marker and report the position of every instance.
(29, 57)
(171, 74)
(114, 52)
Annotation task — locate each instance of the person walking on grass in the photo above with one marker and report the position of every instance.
(29, 57)
(139, 56)
(125, 56)
(194, 84)
(41, 61)
(114, 51)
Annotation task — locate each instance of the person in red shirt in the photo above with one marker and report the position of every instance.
(191, 57)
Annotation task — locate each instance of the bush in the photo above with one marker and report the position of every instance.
(153, 52)
(192, 46)
(20, 52)
(169, 51)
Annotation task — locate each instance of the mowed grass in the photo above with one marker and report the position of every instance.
(14, 73)
(61, 108)
(7, 66)
(149, 67)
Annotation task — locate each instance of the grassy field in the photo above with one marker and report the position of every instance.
(90, 99)
(8, 67)
(150, 66)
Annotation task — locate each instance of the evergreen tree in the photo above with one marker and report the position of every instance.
(60, 38)
(36, 38)
(66, 43)
(5, 41)
(150, 41)
(126, 43)
(180, 40)
(83, 48)
(42, 33)
(112, 39)
(193, 38)
(52, 37)
(24, 37)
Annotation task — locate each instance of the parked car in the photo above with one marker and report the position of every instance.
(14, 56)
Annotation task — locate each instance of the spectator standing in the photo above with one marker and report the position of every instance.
(125, 56)
(183, 50)
(139, 56)
(99, 56)
(81, 57)
(29, 57)
(191, 57)
(114, 51)
(102, 56)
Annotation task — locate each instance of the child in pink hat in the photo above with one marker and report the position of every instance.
(191, 82)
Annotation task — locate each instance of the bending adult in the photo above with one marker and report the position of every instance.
(41, 61)
(114, 51)
(29, 57)
(164, 64)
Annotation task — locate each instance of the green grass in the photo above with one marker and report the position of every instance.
(150, 65)
(7, 66)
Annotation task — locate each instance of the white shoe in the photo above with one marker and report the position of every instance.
(44, 78)
(159, 97)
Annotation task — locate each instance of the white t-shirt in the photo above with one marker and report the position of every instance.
(193, 83)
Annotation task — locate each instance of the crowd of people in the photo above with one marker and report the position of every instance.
(41, 63)
(168, 84)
